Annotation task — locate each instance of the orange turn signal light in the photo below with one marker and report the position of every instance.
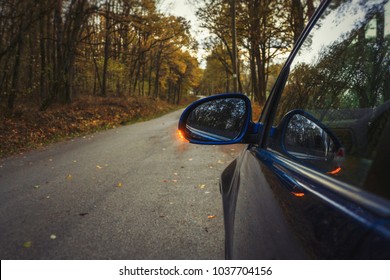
(298, 194)
(334, 172)
(181, 135)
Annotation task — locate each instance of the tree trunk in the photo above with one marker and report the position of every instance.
(310, 9)
(15, 76)
(255, 85)
(150, 74)
(57, 62)
(106, 50)
(297, 19)
(43, 54)
(157, 79)
(234, 44)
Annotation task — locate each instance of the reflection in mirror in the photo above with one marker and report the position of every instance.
(217, 120)
(343, 64)
(306, 140)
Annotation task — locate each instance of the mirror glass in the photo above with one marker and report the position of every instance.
(306, 140)
(217, 120)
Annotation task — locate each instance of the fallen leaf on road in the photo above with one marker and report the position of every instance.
(119, 185)
(36, 187)
(220, 161)
(53, 236)
(69, 177)
(98, 166)
(211, 216)
(201, 186)
(190, 159)
(206, 192)
(27, 244)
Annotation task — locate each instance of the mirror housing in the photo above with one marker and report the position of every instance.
(306, 139)
(218, 120)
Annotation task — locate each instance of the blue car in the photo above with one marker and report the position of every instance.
(313, 181)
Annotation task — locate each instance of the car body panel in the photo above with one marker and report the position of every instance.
(276, 206)
(256, 207)
(280, 225)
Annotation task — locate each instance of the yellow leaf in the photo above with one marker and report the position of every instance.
(69, 177)
(119, 185)
(27, 244)
(211, 216)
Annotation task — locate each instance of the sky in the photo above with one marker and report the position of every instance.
(183, 8)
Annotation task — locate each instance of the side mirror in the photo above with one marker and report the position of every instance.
(217, 120)
(306, 139)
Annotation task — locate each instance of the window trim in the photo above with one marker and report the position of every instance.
(368, 197)
(268, 115)
(314, 179)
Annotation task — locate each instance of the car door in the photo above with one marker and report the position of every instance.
(315, 186)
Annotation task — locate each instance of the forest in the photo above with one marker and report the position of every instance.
(126, 58)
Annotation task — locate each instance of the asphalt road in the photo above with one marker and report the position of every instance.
(134, 192)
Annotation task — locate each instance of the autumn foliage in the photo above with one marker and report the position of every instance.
(84, 65)
(32, 128)
(54, 51)
(68, 67)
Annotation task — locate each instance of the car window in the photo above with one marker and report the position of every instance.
(335, 103)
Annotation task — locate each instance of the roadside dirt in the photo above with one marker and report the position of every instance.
(28, 128)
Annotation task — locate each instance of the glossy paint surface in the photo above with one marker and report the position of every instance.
(266, 219)
(278, 205)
